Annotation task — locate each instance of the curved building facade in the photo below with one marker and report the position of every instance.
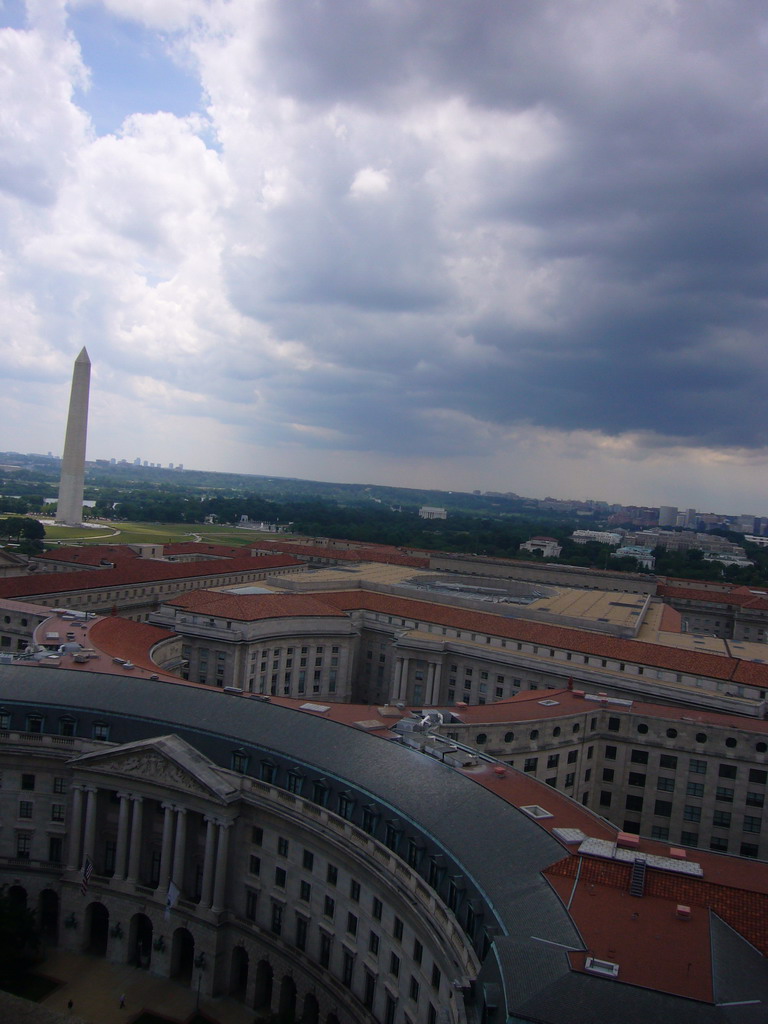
(307, 867)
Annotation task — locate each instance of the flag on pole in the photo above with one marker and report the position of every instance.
(170, 902)
(87, 872)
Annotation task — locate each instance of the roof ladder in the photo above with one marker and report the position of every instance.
(637, 879)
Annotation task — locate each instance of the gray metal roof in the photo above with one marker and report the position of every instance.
(500, 848)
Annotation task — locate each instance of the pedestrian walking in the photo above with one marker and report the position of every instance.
(122, 1002)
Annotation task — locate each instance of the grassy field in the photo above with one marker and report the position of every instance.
(151, 533)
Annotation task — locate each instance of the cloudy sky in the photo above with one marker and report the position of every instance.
(499, 244)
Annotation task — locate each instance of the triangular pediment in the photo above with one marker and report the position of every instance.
(168, 761)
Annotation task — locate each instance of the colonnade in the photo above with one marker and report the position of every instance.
(401, 690)
(173, 847)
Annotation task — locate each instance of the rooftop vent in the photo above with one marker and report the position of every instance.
(603, 967)
(534, 811)
(549, 703)
(683, 912)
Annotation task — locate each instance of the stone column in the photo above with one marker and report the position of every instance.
(221, 868)
(122, 836)
(401, 686)
(165, 852)
(429, 696)
(90, 822)
(180, 848)
(75, 829)
(210, 840)
(398, 676)
(134, 854)
(436, 698)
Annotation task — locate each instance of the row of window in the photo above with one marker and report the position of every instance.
(67, 726)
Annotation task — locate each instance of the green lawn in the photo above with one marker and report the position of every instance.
(153, 533)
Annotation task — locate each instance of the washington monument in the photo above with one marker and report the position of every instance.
(70, 506)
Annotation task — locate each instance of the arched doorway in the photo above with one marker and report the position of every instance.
(182, 956)
(311, 1013)
(140, 941)
(262, 999)
(49, 915)
(286, 1013)
(17, 897)
(96, 929)
(238, 975)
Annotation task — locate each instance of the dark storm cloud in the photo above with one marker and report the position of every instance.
(651, 211)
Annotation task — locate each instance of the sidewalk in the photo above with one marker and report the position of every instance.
(95, 987)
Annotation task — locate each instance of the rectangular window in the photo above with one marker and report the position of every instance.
(376, 908)
(325, 948)
(301, 932)
(724, 793)
(394, 964)
(255, 864)
(727, 771)
(436, 976)
(719, 843)
(752, 824)
(721, 819)
(373, 943)
(251, 899)
(332, 874)
(695, 789)
(413, 990)
(27, 781)
(689, 838)
(282, 847)
(305, 892)
(667, 761)
(529, 764)
(553, 760)
(573, 756)
(659, 832)
(663, 808)
(665, 785)
(639, 757)
(634, 803)
(418, 951)
(277, 918)
(351, 924)
(605, 798)
(347, 968)
(257, 835)
(354, 890)
(25, 808)
(280, 878)
(57, 812)
(59, 785)
(758, 775)
(308, 860)
(755, 800)
(329, 907)
(397, 929)
(23, 845)
(691, 813)
(697, 767)
(636, 779)
(610, 753)
(608, 774)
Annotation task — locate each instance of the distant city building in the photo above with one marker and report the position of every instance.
(689, 521)
(548, 546)
(431, 512)
(668, 515)
(600, 536)
(642, 555)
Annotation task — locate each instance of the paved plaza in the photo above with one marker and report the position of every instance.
(95, 988)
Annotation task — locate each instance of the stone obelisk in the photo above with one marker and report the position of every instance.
(70, 507)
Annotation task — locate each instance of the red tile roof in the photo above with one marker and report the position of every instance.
(634, 651)
(140, 570)
(738, 598)
(366, 554)
(248, 607)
